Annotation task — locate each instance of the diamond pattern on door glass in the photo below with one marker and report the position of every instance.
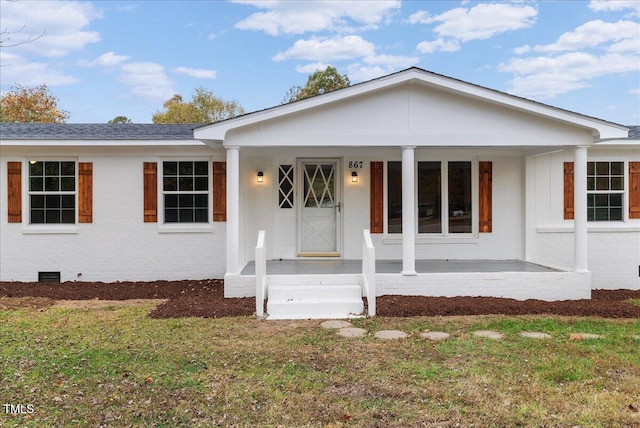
(319, 185)
(285, 186)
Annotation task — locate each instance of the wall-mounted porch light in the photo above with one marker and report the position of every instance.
(354, 177)
(260, 177)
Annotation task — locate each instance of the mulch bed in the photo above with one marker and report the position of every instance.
(205, 298)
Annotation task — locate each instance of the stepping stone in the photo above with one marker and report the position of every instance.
(489, 334)
(391, 334)
(535, 335)
(352, 332)
(336, 324)
(584, 336)
(435, 335)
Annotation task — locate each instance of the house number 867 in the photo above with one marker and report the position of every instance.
(355, 164)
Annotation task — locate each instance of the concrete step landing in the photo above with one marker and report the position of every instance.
(317, 301)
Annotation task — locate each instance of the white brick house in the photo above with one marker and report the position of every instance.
(439, 170)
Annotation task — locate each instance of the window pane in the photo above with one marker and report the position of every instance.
(460, 197)
(615, 200)
(602, 168)
(591, 214)
(591, 183)
(51, 168)
(186, 215)
(394, 197)
(202, 183)
(52, 216)
(37, 201)
(170, 168)
(186, 168)
(602, 214)
(617, 183)
(201, 215)
(68, 216)
(601, 200)
(186, 184)
(36, 168)
(37, 216)
(615, 214)
(170, 184)
(52, 201)
(68, 168)
(201, 201)
(52, 184)
(68, 184)
(68, 201)
(591, 168)
(185, 201)
(36, 184)
(429, 197)
(170, 215)
(617, 168)
(602, 183)
(171, 201)
(201, 168)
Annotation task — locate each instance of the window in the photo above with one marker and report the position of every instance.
(285, 186)
(185, 185)
(435, 215)
(52, 192)
(605, 191)
(394, 197)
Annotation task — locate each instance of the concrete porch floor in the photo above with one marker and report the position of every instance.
(298, 267)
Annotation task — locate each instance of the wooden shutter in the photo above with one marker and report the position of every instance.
(485, 197)
(14, 192)
(568, 190)
(634, 189)
(219, 191)
(85, 192)
(150, 192)
(377, 197)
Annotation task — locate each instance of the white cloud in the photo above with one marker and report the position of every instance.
(438, 45)
(109, 59)
(596, 33)
(63, 24)
(196, 73)
(323, 49)
(635, 91)
(592, 50)
(311, 68)
(522, 50)
(546, 77)
(615, 6)
(17, 70)
(298, 17)
(482, 21)
(479, 22)
(147, 79)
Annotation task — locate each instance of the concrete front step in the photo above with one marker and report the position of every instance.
(319, 301)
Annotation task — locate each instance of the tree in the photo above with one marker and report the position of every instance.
(120, 119)
(27, 105)
(204, 107)
(320, 82)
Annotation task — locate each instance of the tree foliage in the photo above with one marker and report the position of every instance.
(320, 82)
(120, 119)
(204, 107)
(25, 105)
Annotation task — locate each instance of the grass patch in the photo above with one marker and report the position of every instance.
(633, 301)
(115, 366)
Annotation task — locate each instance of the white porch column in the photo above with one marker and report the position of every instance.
(408, 212)
(233, 210)
(580, 209)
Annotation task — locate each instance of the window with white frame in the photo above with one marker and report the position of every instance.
(605, 191)
(444, 191)
(185, 187)
(52, 192)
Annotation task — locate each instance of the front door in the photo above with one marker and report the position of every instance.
(320, 208)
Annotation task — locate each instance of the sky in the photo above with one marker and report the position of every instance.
(103, 59)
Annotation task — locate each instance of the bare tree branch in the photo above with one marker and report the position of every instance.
(6, 35)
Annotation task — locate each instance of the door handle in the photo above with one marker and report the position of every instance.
(339, 206)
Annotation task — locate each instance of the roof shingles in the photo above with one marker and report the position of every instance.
(96, 131)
